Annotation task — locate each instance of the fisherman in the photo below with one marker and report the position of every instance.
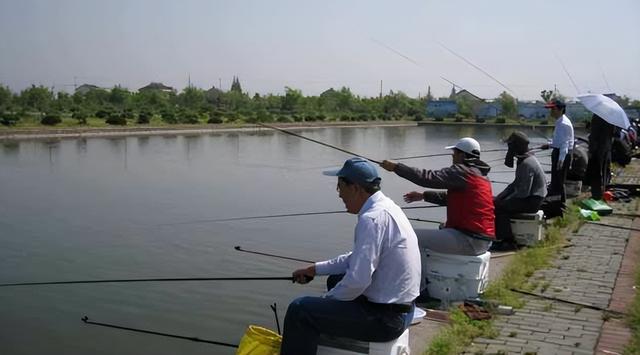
(561, 154)
(469, 229)
(373, 301)
(524, 194)
(600, 140)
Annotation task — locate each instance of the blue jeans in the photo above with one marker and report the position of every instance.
(308, 317)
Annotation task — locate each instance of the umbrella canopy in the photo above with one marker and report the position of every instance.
(606, 108)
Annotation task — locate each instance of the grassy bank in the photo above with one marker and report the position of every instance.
(517, 275)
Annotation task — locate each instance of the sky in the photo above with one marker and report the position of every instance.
(486, 47)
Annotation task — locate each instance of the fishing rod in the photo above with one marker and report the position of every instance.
(448, 154)
(86, 320)
(285, 278)
(567, 72)
(477, 67)
(277, 216)
(239, 248)
(614, 226)
(315, 141)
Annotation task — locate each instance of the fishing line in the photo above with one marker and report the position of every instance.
(567, 72)
(86, 320)
(316, 141)
(278, 216)
(477, 67)
(287, 278)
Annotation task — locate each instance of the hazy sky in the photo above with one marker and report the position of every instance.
(315, 45)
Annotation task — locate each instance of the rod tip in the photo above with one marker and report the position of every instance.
(85, 319)
(237, 247)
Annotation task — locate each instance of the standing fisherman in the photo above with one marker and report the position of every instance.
(373, 300)
(562, 145)
(600, 140)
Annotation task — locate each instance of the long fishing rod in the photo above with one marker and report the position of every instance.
(567, 72)
(86, 320)
(477, 67)
(278, 216)
(178, 279)
(315, 141)
(448, 154)
(614, 226)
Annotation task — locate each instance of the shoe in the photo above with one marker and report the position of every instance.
(503, 246)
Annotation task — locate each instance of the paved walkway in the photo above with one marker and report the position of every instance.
(586, 274)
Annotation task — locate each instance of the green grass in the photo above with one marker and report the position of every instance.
(634, 321)
(461, 331)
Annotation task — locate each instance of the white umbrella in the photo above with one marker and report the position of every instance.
(606, 108)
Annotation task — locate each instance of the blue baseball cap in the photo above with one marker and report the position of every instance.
(358, 170)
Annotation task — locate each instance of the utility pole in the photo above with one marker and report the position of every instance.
(380, 88)
(189, 79)
(220, 83)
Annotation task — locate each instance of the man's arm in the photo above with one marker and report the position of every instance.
(362, 262)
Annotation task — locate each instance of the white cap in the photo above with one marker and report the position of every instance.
(467, 145)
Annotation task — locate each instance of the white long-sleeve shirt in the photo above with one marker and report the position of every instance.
(562, 136)
(384, 265)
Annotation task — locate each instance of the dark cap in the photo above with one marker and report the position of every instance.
(356, 170)
(518, 138)
(555, 103)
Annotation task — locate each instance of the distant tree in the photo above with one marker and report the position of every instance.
(508, 104)
(63, 102)
(119, 97)
(452, 95)
(235, 85)
(81, 116)
(6, 98)
(546, 95)
(291, 99)
(191, 98)
(36, 97)
(465, 106)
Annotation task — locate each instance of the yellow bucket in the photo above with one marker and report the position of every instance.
(259, 341)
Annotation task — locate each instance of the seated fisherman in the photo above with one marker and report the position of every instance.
(469, 229)
(524, 195)
(374, 299)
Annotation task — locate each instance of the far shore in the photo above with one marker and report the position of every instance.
(36, 133)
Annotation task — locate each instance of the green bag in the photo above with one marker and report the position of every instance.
(597, 205)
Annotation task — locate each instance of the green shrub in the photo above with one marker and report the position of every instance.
(189, 118)
(80, 116)
(51, 119)
(285, 118)
(544, 122)
(116, 120)
(9, 119)
(438, 119)
(501, 120)
(144, 117)
(480, 120)
(103, 113)
(419, 117)
(169, 117)
(321, 117)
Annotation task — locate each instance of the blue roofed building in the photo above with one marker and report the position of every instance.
(442, 108)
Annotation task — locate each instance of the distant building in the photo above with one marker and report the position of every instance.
(442, 108)
(532, 110)
(488, 110)
(85, 88)
(577, 112)
(157, 87)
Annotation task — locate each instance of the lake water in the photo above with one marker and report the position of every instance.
(122, 208)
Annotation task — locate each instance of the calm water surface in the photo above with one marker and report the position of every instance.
(121, 208)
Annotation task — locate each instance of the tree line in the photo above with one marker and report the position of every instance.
(120, 106)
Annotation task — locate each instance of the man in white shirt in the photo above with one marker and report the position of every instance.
(562, 145)
(373, 301)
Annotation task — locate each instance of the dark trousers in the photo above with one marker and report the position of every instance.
(505, 209)
(597, 171)
(559, 176)
(308, 317)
